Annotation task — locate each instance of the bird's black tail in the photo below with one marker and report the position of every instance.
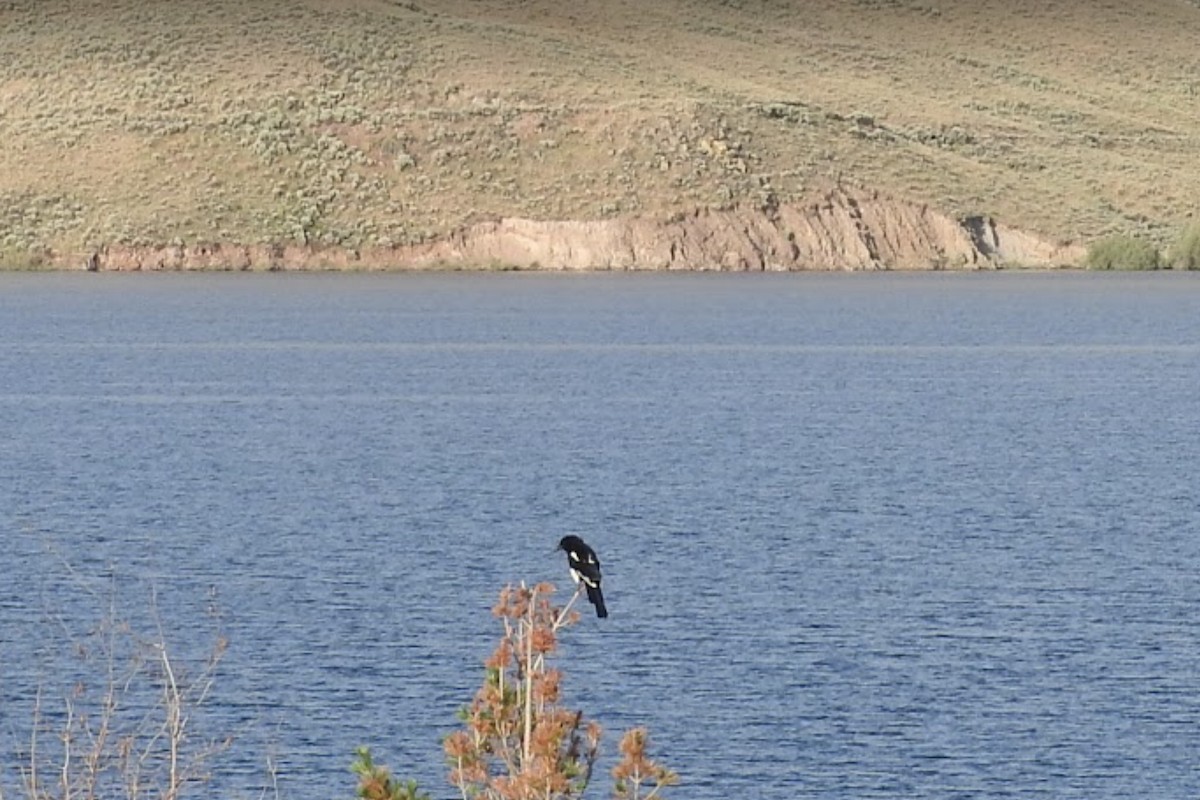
(596, 597)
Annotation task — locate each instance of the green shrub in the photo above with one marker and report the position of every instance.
(1185, 253)
(1123, 252)
(23, 260)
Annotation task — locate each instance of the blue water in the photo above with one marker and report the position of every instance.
(864, 536)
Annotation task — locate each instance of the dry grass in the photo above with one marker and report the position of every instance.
(388, 121)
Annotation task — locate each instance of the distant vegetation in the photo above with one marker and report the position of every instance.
(1121, 252)
(1137, 253)
(1185, 253)
(380, 122)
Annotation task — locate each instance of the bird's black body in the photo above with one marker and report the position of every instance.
(585, 569)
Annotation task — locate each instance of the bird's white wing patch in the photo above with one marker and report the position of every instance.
(576, 575)
(591, 559)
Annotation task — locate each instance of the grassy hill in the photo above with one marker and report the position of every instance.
(378, 122)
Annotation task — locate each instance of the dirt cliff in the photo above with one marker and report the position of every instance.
(837, 229)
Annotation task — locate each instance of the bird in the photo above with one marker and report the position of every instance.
(585, 569)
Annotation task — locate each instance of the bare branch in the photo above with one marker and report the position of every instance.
(175, 723)
(528, 632)
(66, 735)
(31, 777)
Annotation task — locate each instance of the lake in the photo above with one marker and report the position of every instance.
(864, 535)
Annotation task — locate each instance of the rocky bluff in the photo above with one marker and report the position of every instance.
(836, 229)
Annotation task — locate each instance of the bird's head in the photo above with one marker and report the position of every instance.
(569, 543)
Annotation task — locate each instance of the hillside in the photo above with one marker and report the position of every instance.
(388, 123)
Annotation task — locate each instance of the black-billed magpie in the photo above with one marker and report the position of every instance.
(585, 569)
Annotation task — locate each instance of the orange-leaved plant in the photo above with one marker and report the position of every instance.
(518, 742)
(636, 769)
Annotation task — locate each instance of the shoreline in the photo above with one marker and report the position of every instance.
(838, 230)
